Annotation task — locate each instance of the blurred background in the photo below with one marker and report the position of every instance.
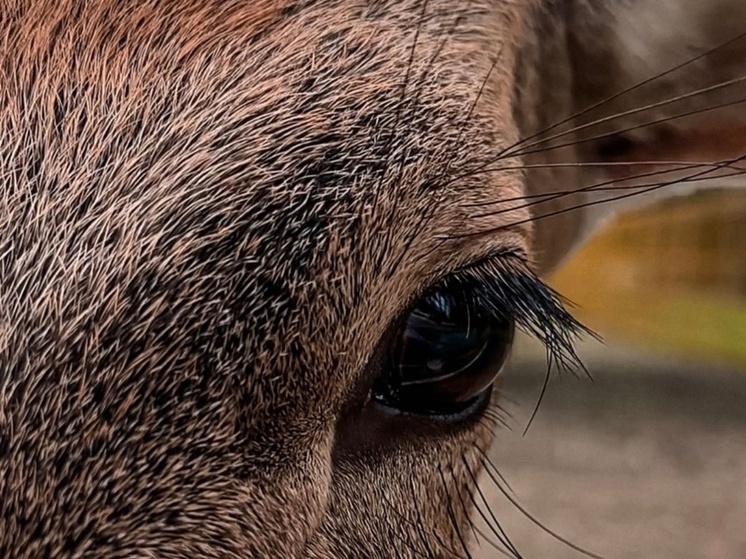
(648, 460)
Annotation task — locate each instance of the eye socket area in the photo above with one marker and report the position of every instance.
(446, 354)
(466, 322)
(443, 356)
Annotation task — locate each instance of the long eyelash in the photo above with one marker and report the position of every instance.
(508, 288)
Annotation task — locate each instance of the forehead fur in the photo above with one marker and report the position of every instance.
(157, 151)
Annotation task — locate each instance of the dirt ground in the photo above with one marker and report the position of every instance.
(647, 462)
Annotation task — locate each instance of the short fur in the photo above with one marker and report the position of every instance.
(212, 211)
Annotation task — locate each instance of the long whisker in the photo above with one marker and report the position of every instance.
(621, 187)
(504, 153)
(505, 484)
(610, 185)
(628, 90)
(607, 185)
(694, 177)
(594, 164)
(634, 111)
(497, 419)
(410, 64)
(394, 134)
(417, 526)
(399, 532)
(465, 509)
(474, 103)
(420, 525)
(497, 528)
(428, 214)
(422, 84)
(629, 128)
(495, 476)
(545, 385)
(496, 546)
(408, 544)
(452, 515)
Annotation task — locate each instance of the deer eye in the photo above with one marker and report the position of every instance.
(446, 355)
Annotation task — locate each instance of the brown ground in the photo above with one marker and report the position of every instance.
(647, 462)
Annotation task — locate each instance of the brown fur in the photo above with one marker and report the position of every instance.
(212, 212)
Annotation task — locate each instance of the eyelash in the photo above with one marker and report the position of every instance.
(506, 286)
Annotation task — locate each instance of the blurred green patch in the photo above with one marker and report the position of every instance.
(671, 277)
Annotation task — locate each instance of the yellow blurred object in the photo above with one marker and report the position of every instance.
(670, 277)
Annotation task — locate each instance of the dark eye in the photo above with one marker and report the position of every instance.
(446, 354)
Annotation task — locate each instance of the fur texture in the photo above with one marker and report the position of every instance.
(212, 212)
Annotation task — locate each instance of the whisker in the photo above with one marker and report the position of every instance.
(472, 527)
(428, 214)
(684, 166)
(613, 184)
(613, 187)
(503, 153)
(452, 515)
(498, 411)
(610, 185)
(393, 136)
(497, 420)
(497, 528)
(509, 397)
(392, 507)
(505, 484)
(691, 178)
(545, 385)
(474, 103)
(630, 128)
(494, 545)
(592, 164)
(629, 89)
(420, 526)
(490, 468)
(634, 111)
(396, 531)
(422, 83)
(408, 544)
(410, 64)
